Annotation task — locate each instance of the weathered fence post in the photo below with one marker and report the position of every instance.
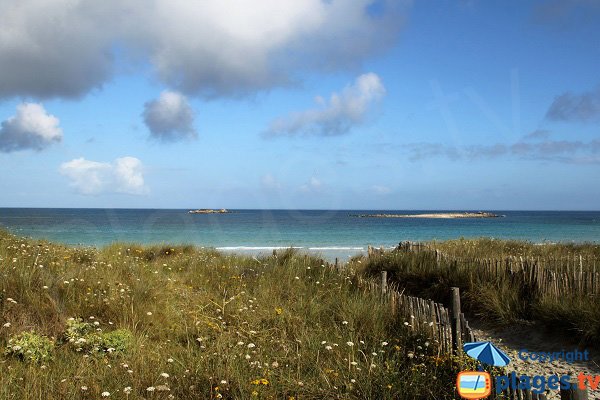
(456, 331)
(573, 394)
(369, 251)
(336, 263)
(383, 282)
(274, 253)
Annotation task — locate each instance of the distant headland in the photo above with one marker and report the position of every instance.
(209, 211)
(479, 214)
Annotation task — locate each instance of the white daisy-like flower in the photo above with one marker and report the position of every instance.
(164, 375)
(251, 345)
(150, 389)
(350, 344)
(127, 390)
(105, 394)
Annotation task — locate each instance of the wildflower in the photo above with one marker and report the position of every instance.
(344, 322)
(84, 388)
(275, 364)
(169, 360)
(328, 347)
(323, 342)
(164, 375)
(247, 356)
(353, 380)
(149, 313)
(6, 325)
(223, 382)
(240, 343)
(350, 344)
(251, 345)
(384, 343)
(44, 287)
(354, 363)
(105, 394)
(411, 355)
(374, 353)
(297, 277)
(163, 388)
(405, 323)
(261, 381)
(150, 389)
(127, 390)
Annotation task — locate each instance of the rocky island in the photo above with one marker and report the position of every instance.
(209, 211)
(479, 214)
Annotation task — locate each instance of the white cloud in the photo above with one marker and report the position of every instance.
(313, 185)
(380, 189)
(30, 128)
(65, 48)
(336, 116)
(123, 175)
(170, 117)
(269, 182)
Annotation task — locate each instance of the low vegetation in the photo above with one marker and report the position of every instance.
(554, 285)
(160, 322)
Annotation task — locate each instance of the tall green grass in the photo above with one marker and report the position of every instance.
(504, 298)
(179, 322)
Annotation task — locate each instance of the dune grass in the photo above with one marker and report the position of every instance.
(133, 322)
(504, 298)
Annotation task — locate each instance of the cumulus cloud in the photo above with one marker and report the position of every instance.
(581, 107)
(30, 128)
(65, 48)
(123, 175)
(58, 48)
(336, 116)
(170, 117)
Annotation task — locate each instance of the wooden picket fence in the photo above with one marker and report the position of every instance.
(548, 276)
(448, 328)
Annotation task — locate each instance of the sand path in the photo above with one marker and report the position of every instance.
(513, 339)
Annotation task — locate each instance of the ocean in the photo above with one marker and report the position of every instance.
(330, 233)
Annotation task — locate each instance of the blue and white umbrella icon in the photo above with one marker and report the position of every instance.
(486, 353)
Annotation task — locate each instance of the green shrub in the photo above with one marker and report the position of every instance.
(29, 346)
(84, 337)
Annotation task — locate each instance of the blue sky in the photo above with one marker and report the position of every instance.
(300, 104)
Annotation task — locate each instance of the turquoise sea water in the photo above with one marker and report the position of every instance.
(328, 232)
